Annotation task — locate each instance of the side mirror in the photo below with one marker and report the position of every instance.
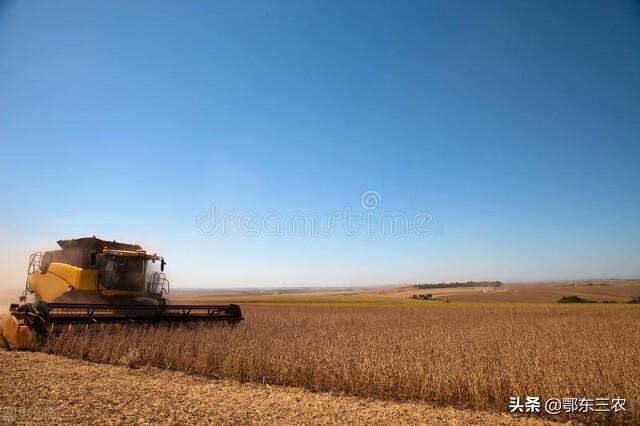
(162, 263)
(92, 258)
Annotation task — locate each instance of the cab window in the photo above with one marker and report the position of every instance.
(124, 273)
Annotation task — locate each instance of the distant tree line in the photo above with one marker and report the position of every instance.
(457, 284)
(422, 296)
(578, 299)
(575, 299)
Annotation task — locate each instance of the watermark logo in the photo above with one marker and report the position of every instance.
(20, 415)
(370, 200)
(367, 219)
(555, 406)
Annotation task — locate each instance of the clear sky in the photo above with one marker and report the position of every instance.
(515, 126)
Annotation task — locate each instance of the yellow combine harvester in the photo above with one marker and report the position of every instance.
(92, 281)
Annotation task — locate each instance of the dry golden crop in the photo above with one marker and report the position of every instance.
(474, 357)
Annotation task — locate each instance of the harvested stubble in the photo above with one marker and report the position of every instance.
(473, 357)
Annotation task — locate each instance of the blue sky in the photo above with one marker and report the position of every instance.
(514, 125)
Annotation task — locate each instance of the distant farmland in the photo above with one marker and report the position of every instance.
(619, 291)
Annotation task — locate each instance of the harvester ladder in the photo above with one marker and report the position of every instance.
(34, 263)
(34, 266)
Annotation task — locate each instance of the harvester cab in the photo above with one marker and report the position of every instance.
(91, 270)
(93, 281)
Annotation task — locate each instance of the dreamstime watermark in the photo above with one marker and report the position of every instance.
(12, 415)
(368, 220)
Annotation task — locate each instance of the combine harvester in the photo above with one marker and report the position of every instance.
(92, 281)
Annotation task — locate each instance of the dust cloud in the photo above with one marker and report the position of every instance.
(14, 261)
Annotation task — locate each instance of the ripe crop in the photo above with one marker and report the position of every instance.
(473, 357)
